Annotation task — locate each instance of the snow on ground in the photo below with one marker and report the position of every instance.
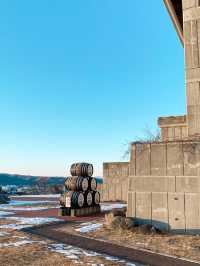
(21, 205)
(3, 234)
(3, 214)
(22, 222)
(13, 208)
(89, 227)
(38, 196)
(26, 202)
(75, 254)
(111, 206)
(20, 243)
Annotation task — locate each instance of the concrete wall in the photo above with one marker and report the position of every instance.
(191, 31)
(168, 202)
(172, 184)
(178, 212)
(173, 128)
(115, 187)
(175, 158)
(164, 185)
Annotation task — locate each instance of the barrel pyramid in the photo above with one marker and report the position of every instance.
(80, 188)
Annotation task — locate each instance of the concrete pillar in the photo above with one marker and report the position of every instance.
(191, 31)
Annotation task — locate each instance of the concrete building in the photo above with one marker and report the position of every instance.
(163, 179)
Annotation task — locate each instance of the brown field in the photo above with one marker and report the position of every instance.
(13, 252)
(174, 245)
(39, 254)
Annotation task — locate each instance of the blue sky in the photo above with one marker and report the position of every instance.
(79, 79)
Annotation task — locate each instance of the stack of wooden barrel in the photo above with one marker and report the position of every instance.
(81, 196)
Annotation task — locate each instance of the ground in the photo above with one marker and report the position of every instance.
(174, 245)
(18, 248)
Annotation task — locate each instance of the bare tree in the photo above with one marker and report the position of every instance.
(149, 137)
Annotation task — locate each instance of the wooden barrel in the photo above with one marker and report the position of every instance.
(77, 199)
(81, 169)
(88, 198)
(96, 197)
(72, 199)
(92, 183)
(76, 183)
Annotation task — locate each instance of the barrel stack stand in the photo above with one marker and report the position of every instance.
(81, 197)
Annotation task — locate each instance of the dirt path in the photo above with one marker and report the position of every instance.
(130, 254)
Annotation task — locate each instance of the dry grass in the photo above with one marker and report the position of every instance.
(32, 255)
(38, 254)
(177, 245)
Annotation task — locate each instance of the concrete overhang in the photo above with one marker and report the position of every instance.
(175, 10)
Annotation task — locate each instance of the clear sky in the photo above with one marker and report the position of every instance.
(79, 79)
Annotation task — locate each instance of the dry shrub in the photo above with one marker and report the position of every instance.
(119, 222)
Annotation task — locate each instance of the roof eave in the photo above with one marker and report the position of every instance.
(175, 20)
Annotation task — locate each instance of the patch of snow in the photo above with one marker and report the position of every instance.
(14, 226)
(94, 264)
(4, 234)
(109, 207)
(89, 228)
(69, 251)
(132, 264)
(29, 208)
(20, 243)
(38, 196)
(27, 202)
(35, 220)
(20, 237)
(21, 205)
(75, 254)
(3, 214)
(23, 222)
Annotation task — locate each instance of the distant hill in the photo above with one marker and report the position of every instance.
(25, 180)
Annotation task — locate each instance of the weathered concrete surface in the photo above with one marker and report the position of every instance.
(191, 153)
(189, 3)
(173, 128)
(131, 204)
(160, 210)
(188, 184)
(118, 169)
(183, 184)
(191, 29)
(176, 212)
(158, 159)
(143, 158)
(115, 181)
(133, 160)
(169, 121)
(143, 207)
(152, 183)
(174, 158)
(187, 24)
(192, 212)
